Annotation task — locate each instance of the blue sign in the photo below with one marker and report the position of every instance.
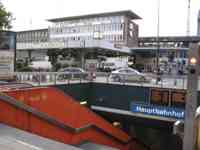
(161, 111)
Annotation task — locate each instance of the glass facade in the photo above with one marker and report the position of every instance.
(104, 28)
(33, 36)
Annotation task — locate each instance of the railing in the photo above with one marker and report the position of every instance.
(178, 128)
(51, 78)
(197, 128)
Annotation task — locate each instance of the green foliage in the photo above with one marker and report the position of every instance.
(23, 67)
(56, 66)
(5, 18)
(65, 65)
(74, 65)
(138, 67)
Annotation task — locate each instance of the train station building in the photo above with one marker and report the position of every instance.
(103, 33)
(111, 34)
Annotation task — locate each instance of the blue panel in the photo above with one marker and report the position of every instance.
(167, 112)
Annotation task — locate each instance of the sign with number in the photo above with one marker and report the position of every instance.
(159, 96)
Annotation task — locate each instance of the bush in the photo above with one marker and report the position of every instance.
(139, 67)
(65, 65)
(57, 66)
(25, 69)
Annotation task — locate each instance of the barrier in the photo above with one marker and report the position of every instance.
(52, 78)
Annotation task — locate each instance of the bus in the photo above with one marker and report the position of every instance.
(7, 55)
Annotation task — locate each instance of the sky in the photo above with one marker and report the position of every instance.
(32, 14)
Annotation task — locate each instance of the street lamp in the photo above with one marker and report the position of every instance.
(157, 40)
(192, 97)
(188, 19)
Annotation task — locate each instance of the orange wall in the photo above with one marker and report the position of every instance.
(67, 111)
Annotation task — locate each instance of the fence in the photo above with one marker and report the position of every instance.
(149, 80)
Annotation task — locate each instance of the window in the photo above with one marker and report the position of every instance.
(131, 26)
(122, 71)
(131, 33)
(115, 37)
(121, 26)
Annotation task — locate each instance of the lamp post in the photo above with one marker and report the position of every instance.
(198, 28)
(189, 138)
(188, 19)
(157, 40)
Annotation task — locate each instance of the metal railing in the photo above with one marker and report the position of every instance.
(51, 78)
(197, 128)
(178, 128)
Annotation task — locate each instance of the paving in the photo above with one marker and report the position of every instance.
(15, 139)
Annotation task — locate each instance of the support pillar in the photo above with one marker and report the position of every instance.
(82, 58)
(29, 55)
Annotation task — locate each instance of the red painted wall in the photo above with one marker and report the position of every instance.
(64, 109)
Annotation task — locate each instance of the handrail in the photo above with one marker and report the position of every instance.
(51, 120)
(178, 128)
(197, 130)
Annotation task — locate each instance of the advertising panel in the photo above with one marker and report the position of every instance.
(7, 54)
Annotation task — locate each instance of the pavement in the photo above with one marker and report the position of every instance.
(15, 139)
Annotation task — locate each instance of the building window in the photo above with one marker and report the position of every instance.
(120, 37)
(121, 26)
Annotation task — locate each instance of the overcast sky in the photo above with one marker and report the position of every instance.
(32, 14)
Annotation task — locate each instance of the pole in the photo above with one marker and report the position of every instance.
(198, 28)
(188, 19)
(192, 98)
(157, 39)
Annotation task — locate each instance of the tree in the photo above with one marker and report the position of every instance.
(5, 18)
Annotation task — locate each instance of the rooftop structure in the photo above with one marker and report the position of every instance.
(128, 13)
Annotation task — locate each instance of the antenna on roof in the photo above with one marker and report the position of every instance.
(30, 23)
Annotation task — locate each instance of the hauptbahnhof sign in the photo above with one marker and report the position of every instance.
(159, 111)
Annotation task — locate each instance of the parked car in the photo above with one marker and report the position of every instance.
(3, 82)
(129, 74)
(73, 73)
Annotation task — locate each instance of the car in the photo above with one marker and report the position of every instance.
(72, 73)
(129, 74)
(3, 82)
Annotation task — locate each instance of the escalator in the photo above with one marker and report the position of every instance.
(50, 113)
